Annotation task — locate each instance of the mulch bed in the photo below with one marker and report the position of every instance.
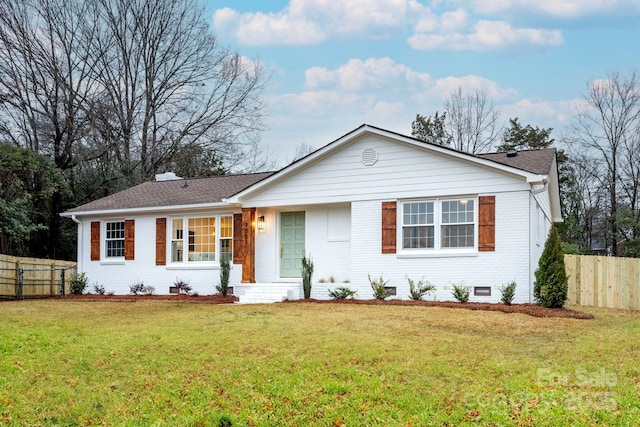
(530, 309)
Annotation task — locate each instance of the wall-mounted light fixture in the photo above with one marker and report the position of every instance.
(261, 223)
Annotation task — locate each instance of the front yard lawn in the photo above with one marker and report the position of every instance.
(173, 363)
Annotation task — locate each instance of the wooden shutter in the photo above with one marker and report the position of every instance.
(238, 245)
(129, 239)
(249, 245)
(388, 227)
(161, 241)
(487, 223)
(95, 240)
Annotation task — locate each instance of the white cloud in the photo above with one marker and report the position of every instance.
(262, 29)
(486, 35)
(443, 87)
(305, 22)
(567, 9)
(372, 73)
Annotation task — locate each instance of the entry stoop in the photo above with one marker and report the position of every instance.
(266, 293)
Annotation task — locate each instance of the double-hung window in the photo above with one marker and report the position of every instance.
(418, 225)
(438, 224)
(201, 239)
(114, 239)
(458, 224)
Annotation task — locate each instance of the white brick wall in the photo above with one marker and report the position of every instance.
(117, 277)
(509, 262)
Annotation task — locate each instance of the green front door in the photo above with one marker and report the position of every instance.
(291, 243)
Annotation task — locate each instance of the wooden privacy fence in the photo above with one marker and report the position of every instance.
(599, 281)
(33, 278)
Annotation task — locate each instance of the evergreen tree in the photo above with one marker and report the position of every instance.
(551, 285)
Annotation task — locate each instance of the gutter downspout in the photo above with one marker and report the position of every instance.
(80, 246)
(545, 186)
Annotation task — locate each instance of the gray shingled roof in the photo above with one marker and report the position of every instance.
(534, 161)
(174, 193)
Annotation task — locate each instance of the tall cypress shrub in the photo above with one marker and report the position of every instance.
(551, 285)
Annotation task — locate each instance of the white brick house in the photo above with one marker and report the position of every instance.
(371, 202)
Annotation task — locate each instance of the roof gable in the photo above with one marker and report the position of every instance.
(496, 162)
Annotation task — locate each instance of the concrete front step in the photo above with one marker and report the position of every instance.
(265, 293)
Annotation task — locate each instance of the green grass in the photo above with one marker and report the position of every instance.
(165, 363)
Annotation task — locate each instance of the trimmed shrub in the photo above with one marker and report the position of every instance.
(552, 284)
(99, 289)
(420, 289)
(342, 292)
(225, 270)
(461, 292)
(307, 273)
(136, 288)
(78, 284)
(183, 287)
(507, 293)
(379, 286)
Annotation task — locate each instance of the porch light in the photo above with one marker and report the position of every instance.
(261, 223)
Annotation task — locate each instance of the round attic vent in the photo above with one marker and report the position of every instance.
(369, 156)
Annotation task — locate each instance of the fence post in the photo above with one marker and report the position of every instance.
(19, 279)
(52, 279)
(62, 281)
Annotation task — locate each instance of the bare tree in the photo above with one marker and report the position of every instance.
(471, 121)
(606, 131)
(114, 90)
(136, 77)
(46, 75)
(302, 150)
(169, 83)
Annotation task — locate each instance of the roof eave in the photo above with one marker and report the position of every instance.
(148, 209)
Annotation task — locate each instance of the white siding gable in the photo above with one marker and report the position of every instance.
(401, 170)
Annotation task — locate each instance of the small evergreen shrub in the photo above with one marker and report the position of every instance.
(379, 286)
(136, 288)
(225, 270)
(507, 293)
(184, 287)
(342, 292)
(332, 279)
(99, 289)
(307, 273)
(461, 292)
(78, 284)
(418, 290)
(552, 284)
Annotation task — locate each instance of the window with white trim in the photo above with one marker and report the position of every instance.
(458, 224)
(201, 239)
(438, 224)
(114, 239)
(418, 225)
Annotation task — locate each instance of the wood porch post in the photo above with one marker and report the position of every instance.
(249, 243)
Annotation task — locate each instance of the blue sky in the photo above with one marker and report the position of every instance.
(336, 64)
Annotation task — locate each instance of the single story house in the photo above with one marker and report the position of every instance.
(372, 202)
